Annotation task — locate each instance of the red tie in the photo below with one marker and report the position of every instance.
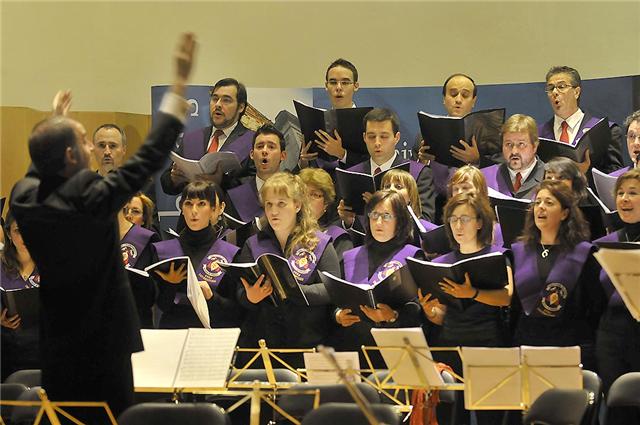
(564, 136)
(518, 182)
(376, 171)
(213, 147)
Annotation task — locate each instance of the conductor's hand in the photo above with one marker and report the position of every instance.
(9, 322)
(184, 58)
(586, 164)
(305, 156)
(423, 153)
(206, 289)
(456, 290)
(173, 276)
(346, 214)
(383, 313)
(177, 175)
(345, 318)
(260, 290)
(469, 154)
(62, 103)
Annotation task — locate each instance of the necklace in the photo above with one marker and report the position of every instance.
(545, 251)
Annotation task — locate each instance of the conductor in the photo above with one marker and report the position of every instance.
(67, 216)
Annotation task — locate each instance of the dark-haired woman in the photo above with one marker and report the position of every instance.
(18, 271)
(202, 208)
(618, 342)
(559, 298)
(386, 248)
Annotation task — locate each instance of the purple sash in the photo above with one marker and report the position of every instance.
(427, 224)
(584, 126)
(245, 200)
(547, 299)
(194, 144)
(335, 232)
(302, 261)
(612, 293)
(620, 172)
(495, 180)
(133, 243)
(356, 264)
(441, 176)
(16, 282)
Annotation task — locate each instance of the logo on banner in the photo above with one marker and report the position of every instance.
(553, 300)
(301, 262)
(129, 253)
(193, 107)
(34, 280)
(211, 268)
(388, 269)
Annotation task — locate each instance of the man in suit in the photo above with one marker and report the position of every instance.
(563, 88)
(522, 170)
(382, 133)
(227, 104)
(67, 217)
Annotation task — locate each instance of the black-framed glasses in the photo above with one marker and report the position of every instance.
(374, 215)
(464, 219)
(561, 87)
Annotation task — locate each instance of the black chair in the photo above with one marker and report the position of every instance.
(27, 377)
(593, 384)
(174, 414)
(446, 396)
(281, 375)
(558, 407)
(9, 392)
(350, 413)
(625, 391)
(26, 415)
(298, 405)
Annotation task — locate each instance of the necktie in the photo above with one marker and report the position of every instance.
(564, 136)
(376, 171)
(213, 147)
(518, 183)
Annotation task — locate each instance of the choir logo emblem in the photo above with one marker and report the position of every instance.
(34, 280)
(554, 298)
(129, 253)
(388, 269)
(211, 268)
(301, 262)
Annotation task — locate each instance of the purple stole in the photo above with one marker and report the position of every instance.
(547, 299)
(133, 243)
(303, 262)
(334, 232)
(245, 200)
(441, 176)
(208, 269)
(427, 224)
(495, 180)
(194, 147)
(498, 240)
(415, 168)
(620, 172)
(546, 130)
(356, 264)
(16, 282)
(615, 300)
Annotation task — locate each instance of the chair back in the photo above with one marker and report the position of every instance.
(174, 414)
(625, 391)
(9, 392)
(349, 413)
(28, 377)
(593, 384)
(558, 407)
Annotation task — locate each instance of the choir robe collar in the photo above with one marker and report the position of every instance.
(303, 261)
(548, 298)
(246, 201)
(356, 264)
(195, 143)
(133, 243)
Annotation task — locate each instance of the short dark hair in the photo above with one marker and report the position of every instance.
(635, 116)
(48, 143)
(573, 230)
(444, 86)
(109, 126)
(202, 190)
(563, 69)
(9, 254)
(269, 129)
(567, 169)
(381, 115)
(345, 64)
(241, 91)
(484, 212)
(404, 226)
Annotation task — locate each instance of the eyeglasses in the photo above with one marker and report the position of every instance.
(464, 219)
(335, 83)
(519, 145)
(226, 100)
(374, 215)
(316, 195)
(561, 87)
(632, 137)
(131, 211)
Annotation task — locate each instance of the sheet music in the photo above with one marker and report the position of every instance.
(196, 297)
(623, 268)
(206, 358)
(320, 370)
(156, 366)
(406, 373)
(551, 367)
(605, 185)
